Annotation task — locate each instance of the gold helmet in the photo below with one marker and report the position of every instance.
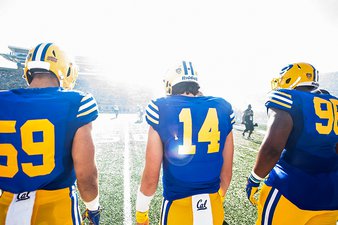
(49, 57)
(180, 72)
(295, 75)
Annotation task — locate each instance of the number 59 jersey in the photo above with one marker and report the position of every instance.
(37, 127)
(193, 131)
(307, 172)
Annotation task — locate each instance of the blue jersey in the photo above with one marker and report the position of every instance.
(193, 131)
(37, 127)
(307, 172)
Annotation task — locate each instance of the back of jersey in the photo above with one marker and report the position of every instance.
(307, 172)
(193, 131)
(37, 127)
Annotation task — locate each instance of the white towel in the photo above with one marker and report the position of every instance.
(21, 209)
(202, 213)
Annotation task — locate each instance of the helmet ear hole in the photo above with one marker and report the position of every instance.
(29, 76)
(288, 80)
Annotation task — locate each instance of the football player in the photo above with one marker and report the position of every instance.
(299, 153)
(191, 136)
(247, 120)
(46, 145)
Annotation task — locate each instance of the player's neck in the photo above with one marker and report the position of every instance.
(304, 88)
(188, 95)
(43, 83)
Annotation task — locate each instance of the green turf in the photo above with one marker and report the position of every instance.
(110, 155)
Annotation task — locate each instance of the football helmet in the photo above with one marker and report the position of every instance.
(49, 57)
(295, 75)
(180, 72)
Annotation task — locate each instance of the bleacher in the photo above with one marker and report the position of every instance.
(91, 80)
(11, 78)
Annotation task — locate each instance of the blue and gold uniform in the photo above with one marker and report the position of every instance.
(305, 179)
(193, 131)
(37, 127)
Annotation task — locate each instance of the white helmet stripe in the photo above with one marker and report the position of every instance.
(40, 52)
(43, 54)
(35, 51)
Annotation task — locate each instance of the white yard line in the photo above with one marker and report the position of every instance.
(250, 149)
(126, 178)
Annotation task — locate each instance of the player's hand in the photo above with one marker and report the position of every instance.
(222, 195)
(92, 216)
(251, 189)
(142, 218)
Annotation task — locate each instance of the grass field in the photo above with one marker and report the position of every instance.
(120, 145)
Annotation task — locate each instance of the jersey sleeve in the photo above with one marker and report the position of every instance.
(232, 118)
(153, 115)
(229, 115)
(280, 99)
(88, 110)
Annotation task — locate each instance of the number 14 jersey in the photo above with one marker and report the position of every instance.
(193, 131)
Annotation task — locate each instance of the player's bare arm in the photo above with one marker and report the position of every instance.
(154, 154)
(278, 129)
(226, 172)
(150, 177)
(83, 153)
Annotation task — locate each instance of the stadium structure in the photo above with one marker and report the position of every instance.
(16, 55)
(91, 79)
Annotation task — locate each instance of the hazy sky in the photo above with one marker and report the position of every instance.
(237, 46)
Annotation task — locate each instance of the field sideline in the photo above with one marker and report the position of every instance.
(120, 145)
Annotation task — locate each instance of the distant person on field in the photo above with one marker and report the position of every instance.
(247, 120)
(190, 135)
(140, 113)
(116, 110)
(298, 158)
(46, 146)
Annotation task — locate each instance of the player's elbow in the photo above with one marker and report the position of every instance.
(226, 176)
(87, 178)
(226, 179)
(271, 153)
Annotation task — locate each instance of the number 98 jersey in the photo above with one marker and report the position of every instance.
(37, 127)
(193, 131)
(307, 172)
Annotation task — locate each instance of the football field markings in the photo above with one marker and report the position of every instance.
(126, 177)
(107, 140)
(250, 149)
